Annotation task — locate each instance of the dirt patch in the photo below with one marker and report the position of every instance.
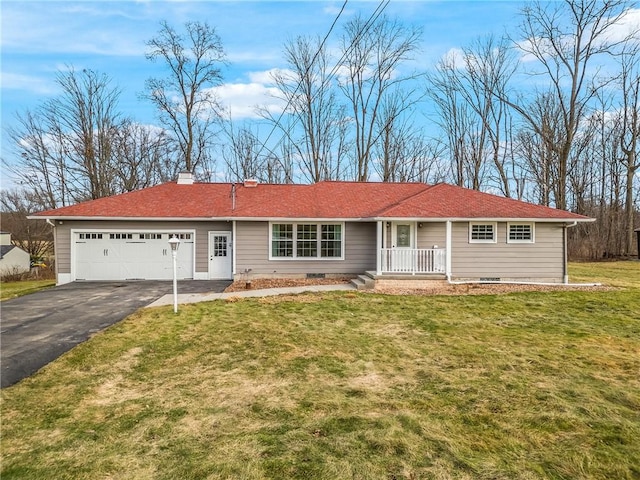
(261, 283)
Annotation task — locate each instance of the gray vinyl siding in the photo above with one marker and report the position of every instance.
(431, 234)
(542, 260)
(253, 244)
(63, 247)
(202, 229)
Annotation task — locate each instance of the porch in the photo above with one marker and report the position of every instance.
(412, 261)
(413, 247)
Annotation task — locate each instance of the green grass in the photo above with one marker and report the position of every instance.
(346, 385)
(10, 290)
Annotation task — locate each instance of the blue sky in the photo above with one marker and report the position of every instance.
(41, 38)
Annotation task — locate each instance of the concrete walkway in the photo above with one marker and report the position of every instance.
(184, 298)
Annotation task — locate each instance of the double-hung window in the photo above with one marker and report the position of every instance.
(331, 241)
(282, 240)
(307, 241)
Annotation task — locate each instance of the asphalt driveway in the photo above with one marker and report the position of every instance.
(38, 328)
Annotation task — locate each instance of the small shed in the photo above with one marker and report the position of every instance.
(12, 259)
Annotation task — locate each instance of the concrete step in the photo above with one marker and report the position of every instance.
(363, 282)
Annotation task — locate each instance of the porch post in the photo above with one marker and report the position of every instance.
(447, 253)
(379, 230)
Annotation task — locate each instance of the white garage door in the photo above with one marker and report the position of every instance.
(131, 256)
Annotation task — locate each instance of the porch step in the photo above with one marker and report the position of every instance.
(406, 276)
(363, 282)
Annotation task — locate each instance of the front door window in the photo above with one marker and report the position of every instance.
(403, 239)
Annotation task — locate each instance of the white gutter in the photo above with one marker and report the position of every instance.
(480, 219)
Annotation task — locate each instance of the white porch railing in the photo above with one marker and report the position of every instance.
(412, 260)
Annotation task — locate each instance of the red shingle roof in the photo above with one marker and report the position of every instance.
(321, 200)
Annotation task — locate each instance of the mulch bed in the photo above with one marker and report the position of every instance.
(437, 288)
(261, 283)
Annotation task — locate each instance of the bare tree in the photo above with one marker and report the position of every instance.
(144, 156)
(462, 128)
(42, 160)
(488, 68)
(186, 98)
(318, 136)
(372, 51)
(65, 147)
(565, 40)
(241, 155)
(33, 236)
(476, 122)
(536, 147)
(629, 117)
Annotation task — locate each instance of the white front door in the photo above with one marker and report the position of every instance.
(403, 258)
(220, 258)
(403, 235)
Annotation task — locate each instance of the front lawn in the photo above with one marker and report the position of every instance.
(346, 386)
(10, 290)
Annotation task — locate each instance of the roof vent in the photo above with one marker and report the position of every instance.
(185, 178)
(250, 183)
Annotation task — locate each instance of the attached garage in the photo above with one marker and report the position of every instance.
(130, 255)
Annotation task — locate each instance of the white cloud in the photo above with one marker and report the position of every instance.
(37, 85)
(334, 10)
(628, 25)
(454, 57)
(266, 77)
(72, 28)
(241, 99)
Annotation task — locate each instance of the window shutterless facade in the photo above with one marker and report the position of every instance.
(483, 232)
(306, 241)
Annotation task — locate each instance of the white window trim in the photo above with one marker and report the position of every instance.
(495, 232)
(533, 232)
(295, 240)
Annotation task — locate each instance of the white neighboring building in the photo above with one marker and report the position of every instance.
(12, 259)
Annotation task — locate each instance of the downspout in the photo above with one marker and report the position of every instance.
(447, 251)
(379, 243)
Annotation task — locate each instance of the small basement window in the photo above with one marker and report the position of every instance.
(520, 233)
(482, 232)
